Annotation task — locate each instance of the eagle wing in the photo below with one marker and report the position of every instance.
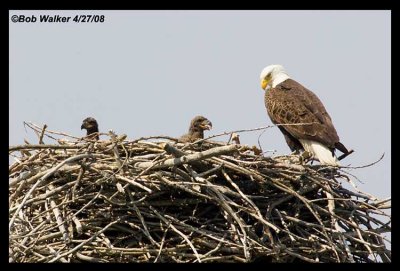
(291, 103)
(186, 138)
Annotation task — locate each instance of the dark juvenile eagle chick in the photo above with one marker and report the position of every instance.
(196, 129)
(91, 126)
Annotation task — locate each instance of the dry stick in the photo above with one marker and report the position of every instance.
(54, 252)
(89, 259)
(182, 187)
(162, 243)
(249, 201)
(21, 164)
(348, 192)
(37, 129)
(210, 171)
(215, 249)
(285, 225)
(139, 251)
(347, 249)
(189, 158)
(42, 146)
(47, 175)
(58, 216)
(380, 203)
(250, 173)
(78, 180)
(105, 240)
(146, 230)
(90, 202)
(385, 256)
(239, 169)
(153, 137)
(132, 182)
(258, 141)
(84, 242)
(227, 209)
(42, 134)
(348, 223)
(48, 218)
(364, 193)
(331, 206)
(137, 177)
(11, 256)
(77, 223)
(26, 237)
(307, 204)
(299, 256)
(172, 150)
(177, 231)
(354, 224)
(30, 180)
(47, 194)
(230, 211)
(115, 149)
(368, 165)
(250, 130)
(16, 193)
(202, 232)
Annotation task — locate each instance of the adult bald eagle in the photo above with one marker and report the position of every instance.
(288, 102)
(196, 129)
(91, 126)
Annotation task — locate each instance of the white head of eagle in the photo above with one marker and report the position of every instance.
(302, 118)
(273, 75)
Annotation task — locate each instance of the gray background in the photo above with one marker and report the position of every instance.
(146, 73)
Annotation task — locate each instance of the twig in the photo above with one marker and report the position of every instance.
(177, 231)
(59, 218)
(43, 146)
(189, 158)
(84, 243)
(48, 174)
(41, 134)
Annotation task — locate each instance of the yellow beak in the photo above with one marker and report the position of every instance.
(264, 83)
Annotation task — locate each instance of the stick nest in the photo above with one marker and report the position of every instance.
(156, 200)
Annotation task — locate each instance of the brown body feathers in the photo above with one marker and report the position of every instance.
(290, 103)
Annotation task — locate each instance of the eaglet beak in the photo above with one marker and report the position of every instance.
(264, 83)
(83, 126)
(206, 125)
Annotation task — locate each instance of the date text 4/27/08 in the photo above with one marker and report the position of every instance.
(77, 18)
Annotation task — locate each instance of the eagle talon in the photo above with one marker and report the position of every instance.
(304, 157)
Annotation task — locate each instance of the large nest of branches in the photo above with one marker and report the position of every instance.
(156, 200)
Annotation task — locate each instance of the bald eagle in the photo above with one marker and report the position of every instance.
(288, 102)
(196, 129)
(91, 126)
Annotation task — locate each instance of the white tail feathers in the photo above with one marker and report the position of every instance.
(319, 151)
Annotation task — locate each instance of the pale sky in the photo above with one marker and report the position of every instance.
(147, 73)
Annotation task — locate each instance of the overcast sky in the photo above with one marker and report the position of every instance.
(147, 73)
